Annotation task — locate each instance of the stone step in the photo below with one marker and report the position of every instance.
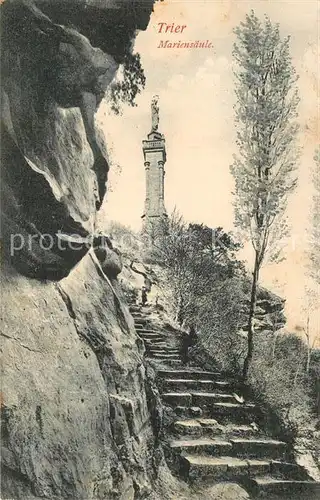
(177, 399)
(146, 333)
(187, 412)
(189, 374)
(188, 427)
(135, 309)
(225, 413)
(141, 328)
(204, 446)
(151, 342)
(223, 468)
(150, 339)
(187, 384)
(262, 449)
(154, 343)
(164, 350)
(153, 350)
(258, 448)
(146, 328)
(161, 362)
(210, 398)
(168, 345)
(165, 357)
(164, 353)
(196, 398)
(211, 427)
(233, 412)
(150, 336)
(170, 362)
(288, 470)
(230, 430)
(163, 343)
(151, 329)
(264, 487)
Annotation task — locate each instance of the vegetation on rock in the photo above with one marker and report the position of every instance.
(131, 80)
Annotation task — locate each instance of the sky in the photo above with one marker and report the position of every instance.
(196, 99)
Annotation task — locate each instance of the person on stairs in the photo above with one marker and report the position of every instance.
(147, 284)
(144, 296)
(188, 340)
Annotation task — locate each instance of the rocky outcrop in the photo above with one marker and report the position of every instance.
(75, 417)
(58, 59)
(75, 420)
(269, 312)
(108, 256)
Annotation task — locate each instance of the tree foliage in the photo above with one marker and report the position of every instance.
(266, 106)
(197, 260)
(131, 81)
(264, 169)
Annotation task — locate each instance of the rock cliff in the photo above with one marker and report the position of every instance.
(58, 59)
(75, 420)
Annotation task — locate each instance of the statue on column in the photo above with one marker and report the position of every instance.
(155, 113)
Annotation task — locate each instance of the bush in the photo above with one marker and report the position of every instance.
(277, 379)
(219, 323)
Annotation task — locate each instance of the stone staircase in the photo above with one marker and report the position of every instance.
(212, 434)
(160, 346)
(215, 438)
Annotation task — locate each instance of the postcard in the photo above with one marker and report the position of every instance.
(160, 215)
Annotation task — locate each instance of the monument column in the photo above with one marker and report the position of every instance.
(154, 160)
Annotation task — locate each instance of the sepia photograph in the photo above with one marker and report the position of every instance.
(160, 249)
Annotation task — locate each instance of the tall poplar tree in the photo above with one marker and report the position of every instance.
(264, 168)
